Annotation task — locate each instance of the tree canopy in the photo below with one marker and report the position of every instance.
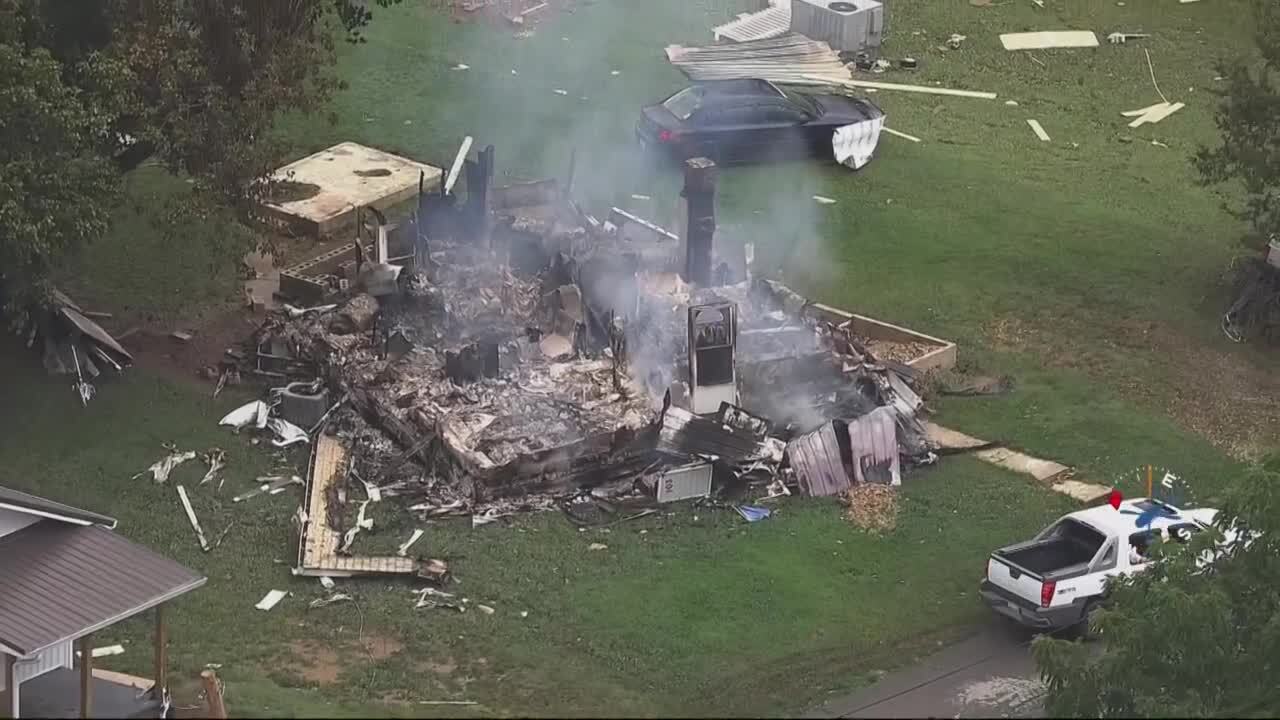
(90, 89)
(1249, 120)
(1181, 640)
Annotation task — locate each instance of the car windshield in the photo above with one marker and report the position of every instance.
(804, 102)
(684, 103)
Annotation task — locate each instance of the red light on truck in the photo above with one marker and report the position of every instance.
(1046, 592)
(666, 136)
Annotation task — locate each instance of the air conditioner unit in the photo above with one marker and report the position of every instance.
(847, 26)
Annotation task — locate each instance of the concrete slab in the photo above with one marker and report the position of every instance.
(347, 176)
(1082, 491)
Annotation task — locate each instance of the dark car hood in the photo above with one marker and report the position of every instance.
(838, 109)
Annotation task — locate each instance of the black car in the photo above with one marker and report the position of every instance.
(746, 120)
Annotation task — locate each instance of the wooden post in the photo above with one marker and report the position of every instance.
(86, 675)
(7, 706)
(212, 695)
(161, 655)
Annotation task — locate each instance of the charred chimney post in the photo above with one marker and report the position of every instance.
(700, 198)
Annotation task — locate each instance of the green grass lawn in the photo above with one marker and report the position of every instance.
(975, 234)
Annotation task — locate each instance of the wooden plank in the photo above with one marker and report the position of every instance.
(161, 656)
(191, 515)
(1157, 115)
(1049, 39)
(86, 675)
(902, 135)
(1144, 111)
(1038, 130)
(905, 88)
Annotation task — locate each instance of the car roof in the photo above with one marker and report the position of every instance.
(740, 88)
(1123, 522)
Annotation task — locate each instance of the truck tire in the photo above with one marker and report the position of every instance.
(1083, 630)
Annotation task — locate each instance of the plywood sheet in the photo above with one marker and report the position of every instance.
(1049, 39)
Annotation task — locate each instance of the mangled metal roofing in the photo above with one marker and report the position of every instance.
(684, 434)
(790, 59)
(815, 457)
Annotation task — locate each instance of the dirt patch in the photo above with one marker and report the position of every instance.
(156, 350)
(381, 648)
(445, 666)
(287, 191)
(315, 662)
(1226, 398)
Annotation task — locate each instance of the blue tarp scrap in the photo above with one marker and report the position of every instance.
(752, 513)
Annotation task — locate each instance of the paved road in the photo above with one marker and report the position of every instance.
(989, 675)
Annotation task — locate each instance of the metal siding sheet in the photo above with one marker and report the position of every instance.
(874, 439)
(62, 580)
(685, 483)
(816, 460)
(22, 501)
(58, 656)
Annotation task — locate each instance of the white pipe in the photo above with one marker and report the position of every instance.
(457, 165)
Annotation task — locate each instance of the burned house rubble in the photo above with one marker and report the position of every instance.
(543, 354)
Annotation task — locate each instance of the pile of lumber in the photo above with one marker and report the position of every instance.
(790, 59)
(72, 343)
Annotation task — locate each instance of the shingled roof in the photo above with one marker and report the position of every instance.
(67, 575)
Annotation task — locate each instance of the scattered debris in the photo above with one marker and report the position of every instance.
(404, 547)
(753, 513)
(871, 507)
(560, 92)
(1119, 38)
(272, 485)
(289, 434)
(824, 200)
(443, 600)
(161, 469)
(216, 459)
(1049, 39)
(256, 413)
(326, 582)
(191, 516)
(461, 66)
(321, 602)
(222, 535)
(484, 609)
(597, 546)
(1152, 70)
(955, 40)
(1038, 130)
(1153, 114)
(447, 702)
(181, 336)
(271, 599)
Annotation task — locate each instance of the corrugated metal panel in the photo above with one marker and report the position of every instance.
(684, 434)
(684, 483)
(770, 23)
(61, 581)
(61, 655)
(816, 460)
(874, 439)
(11, 521)
(790, 59)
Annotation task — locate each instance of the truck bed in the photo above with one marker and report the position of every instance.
(1071, 545)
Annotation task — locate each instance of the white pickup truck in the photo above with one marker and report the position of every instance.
(1054, 581)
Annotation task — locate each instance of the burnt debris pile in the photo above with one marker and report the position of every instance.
(536, 354)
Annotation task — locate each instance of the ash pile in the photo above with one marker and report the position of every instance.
(531, 356)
